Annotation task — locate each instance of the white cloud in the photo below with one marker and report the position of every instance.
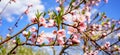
(19, 7)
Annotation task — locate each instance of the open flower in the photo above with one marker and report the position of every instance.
(61, 33)
(82, 26)
(43, 22)
(75, 39)
(40, 40)
(33, 29)
(51, 23)
(33, 20)
(60, 41)
(71, 30)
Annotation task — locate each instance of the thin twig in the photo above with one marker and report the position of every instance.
(16, 34)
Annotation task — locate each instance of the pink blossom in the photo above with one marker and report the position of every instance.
(79, 18)
(75, 38)
(98, 0)
(118, 34)
(42, 34)
(14, 41)
(43, 22)
(93, 53)
(64, 18)
(57, 1)
(104, 34)
(33, 35)
(33, 38)
(61, 33)
(82, 26)
(50, 39)
(76, 35)
(58, 9)
(75, 41)
(51, 23)
(60, 41)
(54, 32)
(119, 50)
(107, 45)
(25, 33)
(119, 22)
(40, 40)
(26, 11)
(33, 29)
(71, 30)
(33, 20)
(106, 1)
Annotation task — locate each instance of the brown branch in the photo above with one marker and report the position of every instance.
(96, 44)
(13, 49)
(63, 49)
(4, 7)
(16, 34)
(109, 33)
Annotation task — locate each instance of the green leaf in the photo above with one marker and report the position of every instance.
(28, 34)
(112, 27)
(43, 44)
(0, 37)
(107, 20)
(44, 13)
(52, 42)
(72, 2)
(62, 11)
(17, 40)
(95, 37)
(102, 14)
(102, 23)
(3, 50)
(38, 14)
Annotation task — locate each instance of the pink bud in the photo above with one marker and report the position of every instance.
(8, 35)
(54, 32)
(26, 11)
(14, 41)
(25, 33)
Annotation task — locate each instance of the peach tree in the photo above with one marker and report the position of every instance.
(72, 24)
